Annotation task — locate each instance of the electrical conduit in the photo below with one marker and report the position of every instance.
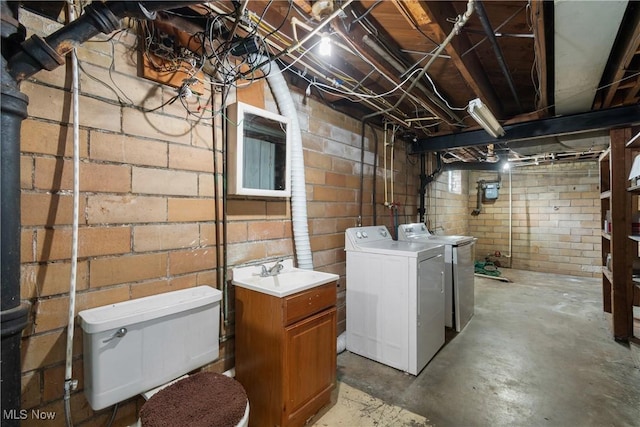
(460, 22)
(298, 187)
(69, 383)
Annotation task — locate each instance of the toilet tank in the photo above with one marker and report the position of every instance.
(136, 345)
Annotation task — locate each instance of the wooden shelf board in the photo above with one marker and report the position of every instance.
(608, 274)
(635, 237)
(606, 235)
(635, 189)
(634, 142)
(605, 194)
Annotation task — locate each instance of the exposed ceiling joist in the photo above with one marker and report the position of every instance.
(468, 64)
(619, 68)
(539, 13)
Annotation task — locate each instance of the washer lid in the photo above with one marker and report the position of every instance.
(418, 233)
(397, 248)
(451, 240)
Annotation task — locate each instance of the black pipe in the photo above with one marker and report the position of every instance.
(426, 180)
(362, 147)
(478, 208)
(375, 174)
(48, 53)
(14, 314)
(20, 60)
(473, 166)
(422, 187)
(486, 25)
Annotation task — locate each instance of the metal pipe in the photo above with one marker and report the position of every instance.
(14, 314)
(486, 25)
(474, 166)
(423, 186)
(32, 56)
(462, 20)
(400, 68)
(295, 46)
(69, 383)
(48, 53)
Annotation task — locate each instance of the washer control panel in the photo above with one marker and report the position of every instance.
(412, 231)
(357, 236)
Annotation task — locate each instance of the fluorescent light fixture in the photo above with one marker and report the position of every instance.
(485, 118)
(325, 45)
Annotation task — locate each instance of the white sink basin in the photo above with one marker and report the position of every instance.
(289, 281)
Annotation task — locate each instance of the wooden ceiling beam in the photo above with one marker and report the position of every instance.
(468, 65)
(356, 37)
(540, 51)
(626, 48)
(632, 94)
(413, 12)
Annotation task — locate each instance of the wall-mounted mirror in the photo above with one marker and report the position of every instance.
(258, 156)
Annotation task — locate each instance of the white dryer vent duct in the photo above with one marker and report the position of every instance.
(298, 188)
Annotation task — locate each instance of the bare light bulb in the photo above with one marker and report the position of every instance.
(325, 46)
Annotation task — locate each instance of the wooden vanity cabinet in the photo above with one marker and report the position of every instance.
(286, 353)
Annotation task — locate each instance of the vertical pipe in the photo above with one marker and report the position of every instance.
(510, 220)
(69, 383)
(422, 188)
(14, 314)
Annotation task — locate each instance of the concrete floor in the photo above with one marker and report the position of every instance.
(538, 352)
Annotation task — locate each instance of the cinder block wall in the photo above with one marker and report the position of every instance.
(150, 215)
(556, 219)
(447, 209)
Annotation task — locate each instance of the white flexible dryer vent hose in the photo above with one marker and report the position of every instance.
(287, 108)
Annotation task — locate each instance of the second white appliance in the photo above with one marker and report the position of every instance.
(459, 271)
(395, 298)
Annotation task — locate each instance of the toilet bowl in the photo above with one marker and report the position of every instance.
(150, 343)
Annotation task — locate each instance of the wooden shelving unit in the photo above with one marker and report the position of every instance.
(620, 247)
(633, 146)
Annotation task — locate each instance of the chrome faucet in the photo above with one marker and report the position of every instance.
(273, 271)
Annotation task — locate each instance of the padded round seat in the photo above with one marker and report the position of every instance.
(205, 399)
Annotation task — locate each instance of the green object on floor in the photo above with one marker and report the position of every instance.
(487, 268)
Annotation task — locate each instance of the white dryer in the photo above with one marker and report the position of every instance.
(395, 298)
(459, 271)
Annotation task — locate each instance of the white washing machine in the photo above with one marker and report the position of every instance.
(459, 271)
(395, 298)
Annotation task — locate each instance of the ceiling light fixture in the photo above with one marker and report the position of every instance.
(325, 45)
(485, 118)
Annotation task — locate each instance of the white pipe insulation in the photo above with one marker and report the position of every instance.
(69, 382)
(287, 108)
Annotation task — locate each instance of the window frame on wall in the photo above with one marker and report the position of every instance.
(454, 184)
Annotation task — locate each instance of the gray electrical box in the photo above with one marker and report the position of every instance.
(491, 190)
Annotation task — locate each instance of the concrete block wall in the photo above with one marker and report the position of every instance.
(150, 221)
(556, 219)
(147, 209)
(448, 211)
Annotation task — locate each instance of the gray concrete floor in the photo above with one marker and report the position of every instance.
(538, 352)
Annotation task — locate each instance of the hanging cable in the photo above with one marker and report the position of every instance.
(69, 383)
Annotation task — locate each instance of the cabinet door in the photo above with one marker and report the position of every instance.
(310, 366)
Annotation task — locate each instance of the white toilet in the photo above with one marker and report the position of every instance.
(135, 346)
